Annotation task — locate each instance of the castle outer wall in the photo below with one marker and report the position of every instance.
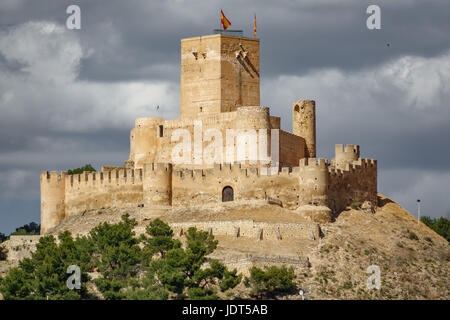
(220, 115)
(314, 183)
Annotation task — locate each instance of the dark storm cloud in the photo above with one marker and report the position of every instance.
(140, 39)
(68, 98)
(297, 36)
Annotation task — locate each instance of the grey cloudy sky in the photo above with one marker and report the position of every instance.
(70, 97)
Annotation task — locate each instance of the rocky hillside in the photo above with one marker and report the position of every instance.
(413, 259)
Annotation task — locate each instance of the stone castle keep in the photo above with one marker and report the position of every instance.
(220, 88)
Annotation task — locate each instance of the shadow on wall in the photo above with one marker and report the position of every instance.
(381, 202)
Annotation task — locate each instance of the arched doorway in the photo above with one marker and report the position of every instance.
(227, 194)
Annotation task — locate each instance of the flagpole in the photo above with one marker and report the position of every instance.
(254, 30)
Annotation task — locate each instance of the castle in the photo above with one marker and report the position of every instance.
(220, 92)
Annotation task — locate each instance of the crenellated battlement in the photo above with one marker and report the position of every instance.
(207, 120)
(360, 165)
(336, 172)
(345, 155)
(367, 163)
(117, 177)
(53, 176)
(319, 163)
(158, 168)
(234, 170)
(348, 148)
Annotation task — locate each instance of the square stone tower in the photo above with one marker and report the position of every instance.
(218, 74)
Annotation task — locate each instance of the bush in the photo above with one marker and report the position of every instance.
(161, 239)
(441, 226)
(412, 236)
(115, 250)
(45, 272)
(87, 168)
(271, 282)
(348, 285)
(28, 230)
(180, 270)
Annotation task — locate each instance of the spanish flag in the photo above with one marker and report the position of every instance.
(254, 29)
(225, 22)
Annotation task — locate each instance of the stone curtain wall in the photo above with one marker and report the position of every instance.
(356, 182)
(292, 149)
(191, 187)
(96, 190)
(313, 181)
(253, 229)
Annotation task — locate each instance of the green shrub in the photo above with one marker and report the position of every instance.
(271, 282)
(44, 274)
(128, 266)
(441, 226)
(412, 236)
(348, 285)
(87, 168)
(29, 229)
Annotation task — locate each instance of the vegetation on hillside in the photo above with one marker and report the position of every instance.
(271, 282)
(28, 230)
(440, 225)
(87, 167)
(153, 266)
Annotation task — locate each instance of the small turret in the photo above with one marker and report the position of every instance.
(344, 156)
(304, 124)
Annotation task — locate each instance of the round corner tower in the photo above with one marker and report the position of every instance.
(52, 199)
(157, 184)
(314, 181)
(253, 125)
(144, 141)
(314, 184)
(253, 117)
(304, 124)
